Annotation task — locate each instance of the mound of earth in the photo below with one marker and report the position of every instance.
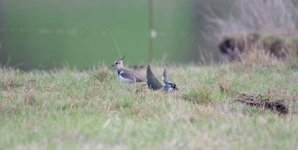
(278, 46)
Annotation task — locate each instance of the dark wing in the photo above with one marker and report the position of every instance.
(152, 81)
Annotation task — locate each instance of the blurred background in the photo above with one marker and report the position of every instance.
(41, 34)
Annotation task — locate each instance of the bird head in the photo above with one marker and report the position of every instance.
(174, 86)
(171, 86)
(118, 63)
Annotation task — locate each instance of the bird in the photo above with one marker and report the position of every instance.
(152, 82)
(168, 86)
(127, 75)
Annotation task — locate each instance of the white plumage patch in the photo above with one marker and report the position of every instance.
(126, 80)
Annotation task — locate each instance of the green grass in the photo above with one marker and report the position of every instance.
(71, 109)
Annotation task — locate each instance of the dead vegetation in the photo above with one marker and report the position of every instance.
(227, 90)
(30, 94)
(264, 102)
(255, 16)
(102, 74)
(251, 25)
(238, 47)
(8, 80)
(276, 101)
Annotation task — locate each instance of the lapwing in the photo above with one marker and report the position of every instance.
(127, 75)
(168, 86)
(152, 82)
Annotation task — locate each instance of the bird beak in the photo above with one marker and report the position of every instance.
(113, 65)
(122, 58)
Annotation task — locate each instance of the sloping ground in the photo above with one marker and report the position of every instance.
(70, 109)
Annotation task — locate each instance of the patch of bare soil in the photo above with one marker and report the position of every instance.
(278, 106)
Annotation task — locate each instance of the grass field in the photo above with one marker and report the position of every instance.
(72, 109)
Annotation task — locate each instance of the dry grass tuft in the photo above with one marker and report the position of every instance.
(30, 98)
(8, 80)
(225, 89)
(102, 74)
(260, 58)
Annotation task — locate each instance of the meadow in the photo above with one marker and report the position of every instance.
(92, 109)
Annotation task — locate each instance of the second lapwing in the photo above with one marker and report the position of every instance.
(152, 82)
(168, 86)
